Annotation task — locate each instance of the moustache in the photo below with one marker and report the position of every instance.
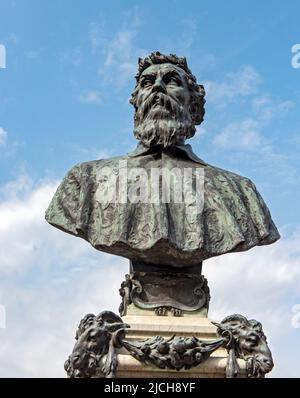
(154, 99)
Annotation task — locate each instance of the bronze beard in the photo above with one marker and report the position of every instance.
(161, 120)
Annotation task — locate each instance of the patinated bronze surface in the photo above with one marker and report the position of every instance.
(169, 103)
(234, 217)
(98, 338)
(165, 291)
(167, 211)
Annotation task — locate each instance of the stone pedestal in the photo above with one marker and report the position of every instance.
(145, 324)
(143, 344)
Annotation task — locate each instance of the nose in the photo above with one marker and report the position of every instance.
(159, 86)
(266, 361)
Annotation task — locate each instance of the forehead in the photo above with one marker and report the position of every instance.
(163, 68)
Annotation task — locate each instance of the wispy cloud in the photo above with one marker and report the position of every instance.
(90, 97)
(57, 278)
(98, 35)
(3, 136)
(119, 51)
(8, 147)
(248, 133)
(20, 186)
(242, 90)
(183, 42)
(240, 135)
(55, 281)
(189, 27)
(262, 283)
(267, 108)
(88, 153)
(242, 83)
(74, 57)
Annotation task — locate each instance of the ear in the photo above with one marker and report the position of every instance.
(256, 325)
(218, 325)
(109, 316)
(235, 320)
(84, 324)
(116, 326)
(201, 89)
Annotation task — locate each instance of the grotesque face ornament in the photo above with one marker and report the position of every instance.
(163, 115)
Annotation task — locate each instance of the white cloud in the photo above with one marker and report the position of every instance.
(3, 136)
(118, 67)
(184, 40)
(242, 83)
(49, 280)
(189, 34)
(97, 35)
(262, 283)
(13, 189)
(247, 134)
(266, 108)
(118, 52)
(74, 57)
(261, 110)
(240, 135)
(90, 97)
(82, 154)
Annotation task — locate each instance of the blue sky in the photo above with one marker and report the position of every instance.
(70, 71)
(64, 99)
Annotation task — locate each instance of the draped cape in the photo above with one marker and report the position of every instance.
(233, 216)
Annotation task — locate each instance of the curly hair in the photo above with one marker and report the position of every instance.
(197, 90)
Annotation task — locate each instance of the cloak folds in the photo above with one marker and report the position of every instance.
(234, 216)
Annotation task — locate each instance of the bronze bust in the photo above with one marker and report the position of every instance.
(233, 217)
(166, 210)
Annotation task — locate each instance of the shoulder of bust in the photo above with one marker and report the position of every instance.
(95, 164)
(218, 172)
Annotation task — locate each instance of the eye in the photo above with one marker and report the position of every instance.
(252, 338)
(93, 334)
(147, 82)
(173, 80)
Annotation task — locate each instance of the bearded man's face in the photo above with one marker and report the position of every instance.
(163, 99)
